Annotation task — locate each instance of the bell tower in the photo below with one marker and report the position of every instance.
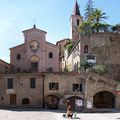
(76, 19)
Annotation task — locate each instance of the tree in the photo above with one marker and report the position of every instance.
(116, 28)
(96, 18)
(85, 28)
(89, 9)
(84, 65)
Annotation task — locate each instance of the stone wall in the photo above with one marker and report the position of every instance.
(92, 84)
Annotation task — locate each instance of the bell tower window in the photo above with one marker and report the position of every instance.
(50, 55)
(18, 56)
(78, 22)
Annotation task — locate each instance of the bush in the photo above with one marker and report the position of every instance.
(84, 65)
(100, 69)
(69, 47)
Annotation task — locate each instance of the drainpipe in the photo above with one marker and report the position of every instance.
(43, 82)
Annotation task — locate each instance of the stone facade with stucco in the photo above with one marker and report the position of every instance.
(60, 97)
(5, 67)
(35, 54)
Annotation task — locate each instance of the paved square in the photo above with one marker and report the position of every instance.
(53, 115)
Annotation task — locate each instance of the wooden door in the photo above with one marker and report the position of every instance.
(13, 99)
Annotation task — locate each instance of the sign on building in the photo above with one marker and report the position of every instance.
(89, 104)
(79, 102)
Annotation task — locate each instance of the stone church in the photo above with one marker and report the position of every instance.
(35, 76)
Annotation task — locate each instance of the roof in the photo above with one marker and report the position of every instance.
(76, 43)
(4, 62)
(48, 43)
(34, 29)
(17, 46)
(76, 9)
(66, 39)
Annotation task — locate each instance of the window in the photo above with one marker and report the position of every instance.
(81, 88)
(91, 59)
(77, 87)
(50, 69)
(34, 66)
(78, 22)
(86, 49)
(25, 101)
(50, 55)
(18, 56)
(18, 70)
(6, 69)
(10, 84)
(53, 86)
(32, 82)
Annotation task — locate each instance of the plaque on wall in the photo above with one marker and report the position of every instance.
(10, 91)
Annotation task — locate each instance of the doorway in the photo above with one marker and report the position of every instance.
(13, 99)
(104, 99)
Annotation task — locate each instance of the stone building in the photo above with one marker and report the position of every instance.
(35, 54)
(5, 67)
(84, 91)
(37, 81)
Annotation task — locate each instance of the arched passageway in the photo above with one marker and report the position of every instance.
(75, 102)
(104, 99)
(52, 102)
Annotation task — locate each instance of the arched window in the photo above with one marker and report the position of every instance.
(18, 56)
(50, 55)
(25, 101)
(34, 63)
(86, 49)
(78, 22)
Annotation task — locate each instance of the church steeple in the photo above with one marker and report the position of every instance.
(76, 9)
(76, 20)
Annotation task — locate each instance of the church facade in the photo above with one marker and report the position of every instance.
(35, 54)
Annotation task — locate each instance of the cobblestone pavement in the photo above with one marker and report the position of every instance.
(53, 115)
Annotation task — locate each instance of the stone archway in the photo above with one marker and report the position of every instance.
(104, 99)
(52, 102)
(72, 102)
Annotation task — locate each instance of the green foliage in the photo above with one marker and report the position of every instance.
(69, 47)
(66, 69)
(97, 16)
(94, 23)
(84, 65)
(88, 9)
(116, 28)
(100, 69)
(85, 28)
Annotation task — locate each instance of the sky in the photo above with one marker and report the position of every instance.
(52, 16)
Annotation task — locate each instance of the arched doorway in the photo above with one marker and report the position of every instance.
(75, 102)
(104, 99)
(25, 101)
(52, 102)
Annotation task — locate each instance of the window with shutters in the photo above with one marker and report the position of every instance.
(32, 83)
(77, 87)
(53, 86)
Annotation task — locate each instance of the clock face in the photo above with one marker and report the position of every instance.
(34, 45)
